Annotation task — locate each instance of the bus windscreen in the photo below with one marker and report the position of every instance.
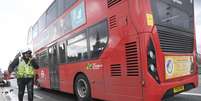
(174, 13)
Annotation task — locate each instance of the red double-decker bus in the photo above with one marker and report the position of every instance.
(118, 50)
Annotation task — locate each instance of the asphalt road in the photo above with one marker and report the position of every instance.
(192, 95)
(49, 95)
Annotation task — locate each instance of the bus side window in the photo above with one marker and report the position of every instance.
(62, 54)
(43, 59)
(40, 61)
(98, 37)
(77, 48)
(37, 59)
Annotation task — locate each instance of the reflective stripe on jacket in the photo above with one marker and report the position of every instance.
(25, 70)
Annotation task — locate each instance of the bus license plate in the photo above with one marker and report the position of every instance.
(178, 89)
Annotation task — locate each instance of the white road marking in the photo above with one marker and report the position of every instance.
(7, 94)
(39, 97)
(194, 94)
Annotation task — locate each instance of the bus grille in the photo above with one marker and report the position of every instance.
(132, 59)
(115, 70)
(176, 41)
(113, 21)
(112, 2)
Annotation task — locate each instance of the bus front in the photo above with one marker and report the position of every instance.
(171, 62)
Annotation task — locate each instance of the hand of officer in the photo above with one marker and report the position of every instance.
(9, 71)
(18, 55)
(6, 74)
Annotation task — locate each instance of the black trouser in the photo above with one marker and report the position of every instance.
(22, 83)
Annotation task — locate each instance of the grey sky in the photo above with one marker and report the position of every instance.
(198, 23)
(16, 17)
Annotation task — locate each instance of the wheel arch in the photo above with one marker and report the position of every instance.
(79, 73)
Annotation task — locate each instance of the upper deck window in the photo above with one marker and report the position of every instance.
(52, 13)
(174, 13)
(75, 18)
(78, 15)
(68, 3)
(42, 22)
(35, 30)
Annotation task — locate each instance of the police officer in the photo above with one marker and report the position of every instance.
(25, 73)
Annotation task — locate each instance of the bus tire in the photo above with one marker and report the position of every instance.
(82, 88)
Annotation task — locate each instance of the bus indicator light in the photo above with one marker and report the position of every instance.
(150, 20)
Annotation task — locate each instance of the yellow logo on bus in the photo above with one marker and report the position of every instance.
(94, 66)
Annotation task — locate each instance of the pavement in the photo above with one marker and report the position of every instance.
(10, 94)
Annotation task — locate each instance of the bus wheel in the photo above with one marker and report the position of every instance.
(82, 88)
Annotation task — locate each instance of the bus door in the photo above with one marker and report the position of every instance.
(53, 67)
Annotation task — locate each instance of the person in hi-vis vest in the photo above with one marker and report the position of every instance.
(24, 66)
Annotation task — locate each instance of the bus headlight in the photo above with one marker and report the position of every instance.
(151, 60)
(151, 54)
(152, 68)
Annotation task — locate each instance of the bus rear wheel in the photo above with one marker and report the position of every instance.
(82, 88)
